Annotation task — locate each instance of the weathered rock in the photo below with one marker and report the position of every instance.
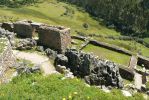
(40, 48)
(94, 70)
(147, 92)
(35, 69)
(51, 53)
(55, 37)
(60, 69)
(126, 93)
(61, 60)
(36, 25)
(23, 67)
(8, 26)
(24, 29)
(26, 44)
(9, 35)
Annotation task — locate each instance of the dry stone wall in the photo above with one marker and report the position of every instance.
(7, 59)
(55, 37)
(24, 29)
(143, 61)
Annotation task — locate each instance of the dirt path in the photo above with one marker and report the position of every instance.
(37, 59)
(138, 80)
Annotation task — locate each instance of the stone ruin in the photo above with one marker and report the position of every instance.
(7, 59)
(24, 29)
(55, 37)
(95, 71)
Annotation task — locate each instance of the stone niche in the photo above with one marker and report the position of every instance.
(24, 29)
(7, 26)
(55, 37)
(143, 61)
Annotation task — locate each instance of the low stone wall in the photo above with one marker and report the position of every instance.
(7, 60)
(105, 45)
(143, 61)
(110, 47)
(126, 73)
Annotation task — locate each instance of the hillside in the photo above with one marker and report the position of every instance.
(74, 50)
(58, 13)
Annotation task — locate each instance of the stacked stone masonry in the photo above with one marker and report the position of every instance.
(7, 60)
(24, 29)
(55, 37)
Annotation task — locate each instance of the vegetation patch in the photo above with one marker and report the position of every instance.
(126, 44)
(2, 44)
(35, 86)
(77, 43)
(108, 54)
(57, 13)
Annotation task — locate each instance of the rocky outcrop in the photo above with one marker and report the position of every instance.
(24, 68)
(61, 60)
(51, 53)
(24, 29)
(26, 44)
(55, 37)
(94, 70)
(6, 34)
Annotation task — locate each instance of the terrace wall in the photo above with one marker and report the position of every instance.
(7, 60)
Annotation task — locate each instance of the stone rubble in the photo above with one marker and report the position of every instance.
(26, 44)
(92, 69)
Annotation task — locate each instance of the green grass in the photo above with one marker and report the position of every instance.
(79, 43)
(129, 45)
(108, 54)
(50, 12)
(146, 40)
(37, 87)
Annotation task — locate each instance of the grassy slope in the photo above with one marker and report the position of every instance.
(108, 54)
(37, 87)
(129, 45)
(50, 13)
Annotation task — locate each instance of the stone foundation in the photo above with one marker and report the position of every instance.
(55, 37)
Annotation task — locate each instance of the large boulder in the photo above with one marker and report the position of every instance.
(94, 70)
(61, 60)
(51, 53)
